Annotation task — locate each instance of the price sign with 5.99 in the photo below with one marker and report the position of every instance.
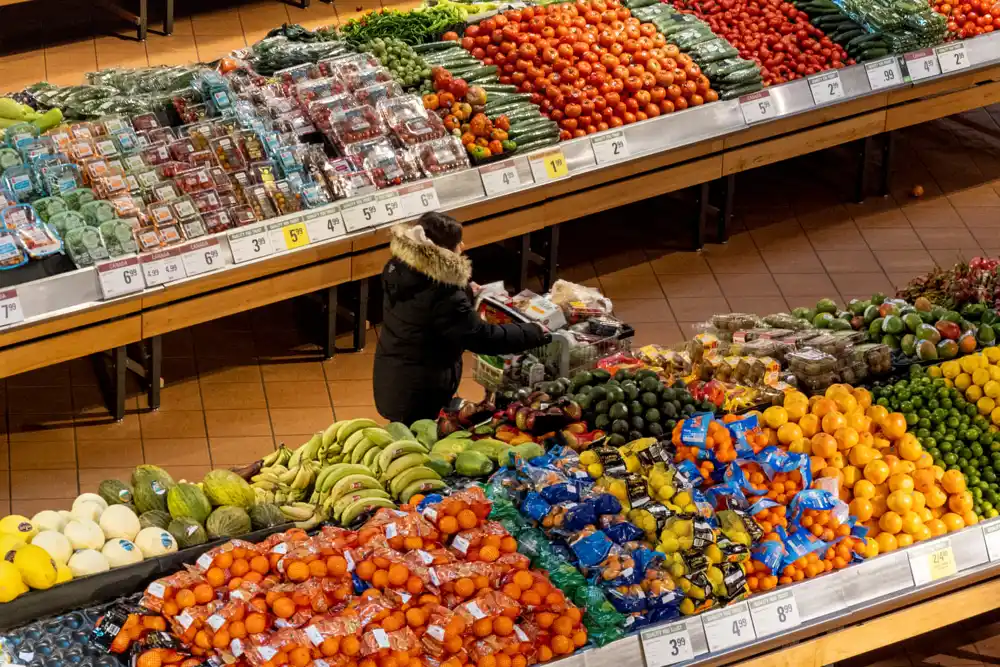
(549, 166)
(295, 235)
(774, 613)
(610, 147)
(667, 645)
(826, 87)
(390, 209)
(953, 57)
(250, 243)
(500, 178)
(418, 198)
(922, 64)
(11, 311)
(202, 256)
(360, 214)
(120, 277)
(758, 106)
(728, 627)
(162, 267)
(324, 225)
(884, 73)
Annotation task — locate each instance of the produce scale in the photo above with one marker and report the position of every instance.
(800, 487)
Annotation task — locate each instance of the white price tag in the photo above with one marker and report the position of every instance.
(728, 627)
(758, 106)
(11, 311)
(202, 256)
(314, 636)
(953, 57)
(826, 87)
(360, 213)
(325, 225)
(500, 178)
(162, 267)
(932, 562)
(250, 243)
(120, 277)
(610, 147)
(381, 638)
(922, 64)
(884, 73)
(991, 533)
(667, 645)
(418, 198)
(774, 613)
(390, 209)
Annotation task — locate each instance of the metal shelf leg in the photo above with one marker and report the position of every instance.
(155, 372)
(701, 216)
(726, 214)
(861, 178)
(887, 151)
(330, 335)
(361, 315)
(551, 261)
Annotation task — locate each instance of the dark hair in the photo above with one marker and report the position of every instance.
(444, 230)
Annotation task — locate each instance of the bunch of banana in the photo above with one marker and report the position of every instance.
(344, 490)
(280, 484)
(402, 470)
(305, 515)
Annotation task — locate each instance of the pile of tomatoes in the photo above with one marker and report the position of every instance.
(772, 33)
(968, 19)
(589, 65)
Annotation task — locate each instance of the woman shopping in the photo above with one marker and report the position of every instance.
(429, 320)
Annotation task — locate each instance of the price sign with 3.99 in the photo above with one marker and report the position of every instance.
(758, 106)
(250, 243)
(884, 73)
(500, 178)
(667, 645)
(11, 311)
(120, 277)
(361, 213)
(774, 613)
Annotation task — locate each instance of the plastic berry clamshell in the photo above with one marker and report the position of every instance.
(371, 95)
(227, 153)
(316, 89)
(285, 200)
(37, 239)
(217, 221)
(207, 201)
(111, 185)
(354, 125)
(295, 74)
(354, 64)
(205, 158)
(19, 183)
(199, 133)
(181, 149)
(160, 213)
(251, 145)
(106, 146)
(387, 165)
(242, 214)
(321, 110)
(194, 180)
(260, 201)
(442, 156)
(145, 122)
(419, 130)
(166, 190)
(156, 154)
(61, 178)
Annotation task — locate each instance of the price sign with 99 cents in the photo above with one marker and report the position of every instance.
(389, 208)
(610, 147)
(667, 645)
(549, 166)
(162, 267)
(774, 613)
(758, 106)
(202, 256)
(922, 64)
(250, 243)
(324, 225)
(418, 198)
(884, 73)
(361, 214)
(11, 311)
(500, 178)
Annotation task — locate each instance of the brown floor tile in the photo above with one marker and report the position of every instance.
(30, 484)
(784, 235)
(798, 284)
(353, 412)
(4, 454)
(894, 239)
(861, 283)
(233, 395)
(691, 309)
(178, 396)
(737, 285)
(631, 262)
(292, 371)
(110, 454)
(948, 239)
(239, 450)
(349, 366)
(762, 305)
(41, 399)
(176, 451)
(660, 333)
(219, 370)
(949, 257)
(55, 455)
(914, 261)
(105, 428)
(675, 286)
(840, 236)
(31, 507)
(890, 219)
(300, 420)
(643, 310)
(743, 262)
(985, 236)
(792, 260)
(354, 393)
(40, 428)
(311, 394)
(980, 216)
(49, 376)
(88, 401)
(923, 215)
(631, 286)
(91, 478)
(981, 195)
(248, 422)
(840, 261)
(191, 474)
(173, 424)
(680, 262)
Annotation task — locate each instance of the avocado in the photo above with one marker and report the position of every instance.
(582, 378)
(891, 341)
(584, 401)
(652, 416)
(669, 410)
(616, 440)
(655, 430)
(801, 312)
(638, 423)
(878, 298)
(636, 408)
(986, 335)
(947, 349)
(602, 407)
(927, 332)
(810, 314)
(615, 394)
(839, 324)
(912, 322)
(651, 384)
(857, 306)
(631, 391)
(951, 316)
(618, 411)
(927, 350)
(871, 314)
(641, 375)
(649, 399)
(602, 422)
(620, 426)
(823, 320)
(623, 375)
(875, 328)
(908, 344)
(892, 325)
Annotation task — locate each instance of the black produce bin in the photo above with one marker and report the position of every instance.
(107, 586)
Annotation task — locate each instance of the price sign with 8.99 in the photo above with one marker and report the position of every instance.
(774, 613)
(667, 645)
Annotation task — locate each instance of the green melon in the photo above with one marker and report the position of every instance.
(187, 501)
(150, 485)
(224, 487)
(187, 532)
(154, 519)
(115, 492)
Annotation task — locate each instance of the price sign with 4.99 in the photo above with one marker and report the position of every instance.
(11, 311)
(324, 225)
(758, 106)
(667, 645)
(162, 267)
(922, 64)
(202, 256)
(728, 627)
(120, 277)
(774, 613)
(610, 147)
(500, 178)
(250, 243)
(884, 73)
(361, 213)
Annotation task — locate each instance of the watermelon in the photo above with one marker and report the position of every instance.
(187, 501)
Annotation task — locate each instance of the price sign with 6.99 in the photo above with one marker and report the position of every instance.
(758, 106)
(667, 645)
(774, 613)
(500, 178)
(11, 311)
(610, 147)
(728, 627)
(120, 277)
(418, 198)
(884, 73)
(953, 57)
(250, 243)
(202, 256)
(922, 64)
(360, 214)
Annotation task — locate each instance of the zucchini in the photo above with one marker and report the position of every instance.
(733, 93)
(482, 72)
(434, 47)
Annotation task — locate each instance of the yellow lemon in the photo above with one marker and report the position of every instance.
(934, 372)
(992, 388)
(775, 416)
(995, 417)
(973, 393)
(963, 381)
(985, 405)
(994, 372)
(980, 376)
(969, 363)
(992, 354)
(951, 369)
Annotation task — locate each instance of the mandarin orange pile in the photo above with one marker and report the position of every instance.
(445, 588)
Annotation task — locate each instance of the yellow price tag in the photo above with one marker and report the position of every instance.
(296, 235)
(942, 563)
(555, 165)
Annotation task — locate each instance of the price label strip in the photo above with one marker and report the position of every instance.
(728, 627)
(758, 106)
(884, 73)
(991, 531)
(120, 277)
(202, 256)
(295, 235)
(935, 561)
(324, 225)
(418, 198)
(250, 243)
(390, 209)
(826, 88)
(162, 267)
(610, 147)
(500, 178)
(922, 64)
(667, 645)
(953, 57)
(774, 613)
(11, 311)
(549, 166)
(360, 214)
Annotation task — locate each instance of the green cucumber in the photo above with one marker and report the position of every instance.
(489, 71)
(873, 53)
(536, 134)
(518, 131)
(840, 37)
(498, 88)
(535, 145)
(432, 47)
(740, 76)
(733, 93)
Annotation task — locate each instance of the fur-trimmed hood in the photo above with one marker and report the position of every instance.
(411, 246)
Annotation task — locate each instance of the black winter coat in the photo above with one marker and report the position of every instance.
(428, 321)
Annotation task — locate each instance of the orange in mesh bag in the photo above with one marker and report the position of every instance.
(386, 569)
(224, 555)
(484, 542)
(285, 647)
(159, 595)
(463, 579)
(460, 511)
(401, 529)
(382, 641)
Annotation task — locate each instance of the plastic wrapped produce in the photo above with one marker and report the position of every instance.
(117, 238)
(373, 94)
(387, 165)
(353, 125)
(442, 156)
(84, 246)
(36, 237)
